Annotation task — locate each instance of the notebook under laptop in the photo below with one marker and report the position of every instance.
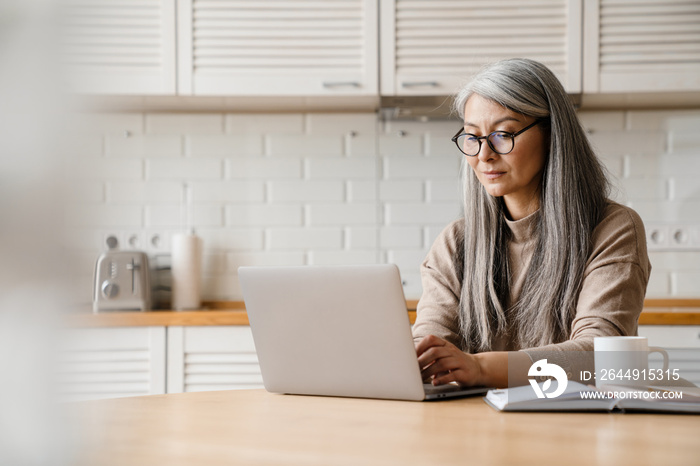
(336, 331)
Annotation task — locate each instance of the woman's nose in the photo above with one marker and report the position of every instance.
(485, 152)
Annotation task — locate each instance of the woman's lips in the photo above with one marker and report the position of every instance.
(492, 175)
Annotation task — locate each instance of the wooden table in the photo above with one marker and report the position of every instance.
(252, 427)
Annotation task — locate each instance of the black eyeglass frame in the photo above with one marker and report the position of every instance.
(488, 140)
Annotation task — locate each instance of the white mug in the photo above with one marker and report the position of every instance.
(625, 361)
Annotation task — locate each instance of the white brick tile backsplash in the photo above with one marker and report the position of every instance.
(213, 263)
(231, 239)
(340, 188)
(401, 237)
(684, 188)
(622, 143)
(266, 168)
(662, 165)
(228, 145)
(305, 238)
(686, 260)
(306, 190)
(106, 216)
(304, 145)
(407, 259)
(342, 167)
(111, 123)
(442, 128)
(685, 143)
(142, 191)
(360, 145)
(667, 211)
(644, 189)
(685, 284)
(444, 189)
(362, 190)
(143, 146)
(228, 191)
(669, 120)
(224, 287)
(401, 146)
(184, 169)
(340, 124)
(267, 258)
(268, 123)
(659, 284)
(192, 123)
(605, 121)
(614, 165)
(412, 288)
(343, 214)
(361, 237)
(264, 215)
(105, 169)
(441, 146)
(343, 257)
(401, 190)
(431, 232)
(420, 167)
(203, 215)
(411, 214)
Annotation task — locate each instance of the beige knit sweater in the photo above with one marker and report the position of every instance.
(611, 298)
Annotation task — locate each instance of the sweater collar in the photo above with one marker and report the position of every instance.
(524, 229)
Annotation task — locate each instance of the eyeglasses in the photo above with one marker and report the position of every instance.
(501, 142)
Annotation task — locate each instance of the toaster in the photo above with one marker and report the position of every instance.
(122, 281)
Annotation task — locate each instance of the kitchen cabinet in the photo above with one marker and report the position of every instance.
(651, 46)
(222, 47)
(433, 47)
(119, 46)
(681, 342)
(211, 358)
(311, 48)
(112, 362)
(290, 48)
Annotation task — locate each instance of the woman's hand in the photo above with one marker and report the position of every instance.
(442, 362)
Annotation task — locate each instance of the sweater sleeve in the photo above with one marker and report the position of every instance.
(438, 309)
(612, 292)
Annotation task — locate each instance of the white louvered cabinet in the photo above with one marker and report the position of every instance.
(641, 46)
(119, 46)
(277, 48)
(433, 47)
(212, 358)
(97, 363)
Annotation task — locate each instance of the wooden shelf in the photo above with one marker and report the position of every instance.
(656, 312)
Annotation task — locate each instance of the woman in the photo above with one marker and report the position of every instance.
(542, 261)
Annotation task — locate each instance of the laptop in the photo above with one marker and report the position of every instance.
(336, 331)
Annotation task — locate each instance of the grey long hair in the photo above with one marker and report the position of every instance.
(573, 196)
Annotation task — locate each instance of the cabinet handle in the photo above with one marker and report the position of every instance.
(331, 84)
(420, 84)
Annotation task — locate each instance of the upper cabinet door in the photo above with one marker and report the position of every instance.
(277, 48)
(120, 46)
(641, 45)
(433, 47)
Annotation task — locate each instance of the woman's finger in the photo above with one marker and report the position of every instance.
(429, 341)
(431, 355)
(440, 366)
